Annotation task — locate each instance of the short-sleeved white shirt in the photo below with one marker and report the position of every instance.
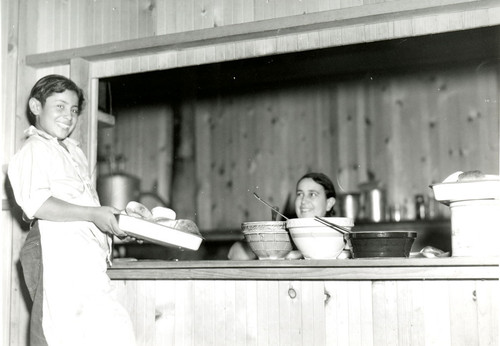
(79, 307)
(43, 168)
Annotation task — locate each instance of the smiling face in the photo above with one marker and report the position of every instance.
(311, 200)
(59, 115)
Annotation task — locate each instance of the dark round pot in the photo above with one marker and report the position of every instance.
(381, 243)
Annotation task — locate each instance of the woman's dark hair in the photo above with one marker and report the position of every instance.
(327, 184)
(49, 85)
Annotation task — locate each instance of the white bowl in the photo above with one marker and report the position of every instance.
(317, 241)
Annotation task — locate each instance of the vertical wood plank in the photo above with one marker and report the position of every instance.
(436, 312)
(463, 313)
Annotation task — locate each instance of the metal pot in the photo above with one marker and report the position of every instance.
(118, 189)
(349, 204)
(373, 201)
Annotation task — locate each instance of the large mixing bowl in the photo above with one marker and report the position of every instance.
(267, 239)
(317, 241)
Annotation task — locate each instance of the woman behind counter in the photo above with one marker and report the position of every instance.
(314, 196)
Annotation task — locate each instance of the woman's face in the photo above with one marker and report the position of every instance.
(59, 115)
(310, 200)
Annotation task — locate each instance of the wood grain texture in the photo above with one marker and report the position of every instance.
(302, 312)
(196, 26)
(359, 269)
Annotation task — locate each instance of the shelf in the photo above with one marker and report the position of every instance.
(468, 268)
(105, 119)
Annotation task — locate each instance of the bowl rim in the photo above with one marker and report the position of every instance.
(382, 234)
(263, 223)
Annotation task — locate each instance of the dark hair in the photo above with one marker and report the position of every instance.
(327, 184)
(49, 85)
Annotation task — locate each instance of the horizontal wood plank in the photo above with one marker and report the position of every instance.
(373, 13)
(353, 269)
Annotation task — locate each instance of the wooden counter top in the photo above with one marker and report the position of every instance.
(450, 268)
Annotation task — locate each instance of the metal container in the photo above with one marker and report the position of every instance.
(349, 205)
(118, 189)
(373, 201)
(381, 243)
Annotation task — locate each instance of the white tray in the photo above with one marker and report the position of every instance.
(158, 234)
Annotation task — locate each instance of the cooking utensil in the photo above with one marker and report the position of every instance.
(381, 243)
(270, 206)
(336, 227)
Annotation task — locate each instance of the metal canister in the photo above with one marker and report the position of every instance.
(118, 189)
(420, 208)
(373, 203)
(349, 204)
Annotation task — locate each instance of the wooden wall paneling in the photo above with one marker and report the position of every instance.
(359, 174)
(253, 156)
(184, 311)
(251, 311)
(239, 146)
(146, 307)
(204, 331)
(484, 117)
(322, 145)
(284, 144)
(464, 102)
(165, 319)
(366, 315)
(184, 179)
(332, 131)
(409, 313)
(295, 304)
(451, 119)
(264, 9)
(165, 157)
(230, 314)
(488, 310)
(488, 97)
(233, 184)
(266, 139)
(265, 312)
(355, 313)
(86, 131)
(385, 313)
(429, 123)
(240, 312)
(436, 311)
(463, 313)
(204, 162)
(299, 103)
(382, 145)
(288, 144)
(220, 324)
(346, 136)
(220, 168)
(284, 302)
(337, 313)
(409, 141)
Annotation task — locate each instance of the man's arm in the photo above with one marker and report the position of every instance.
(54, 209)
